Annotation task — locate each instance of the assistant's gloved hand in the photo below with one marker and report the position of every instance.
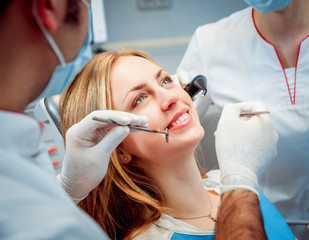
(89, 145)
(181, 79)
(245, 146)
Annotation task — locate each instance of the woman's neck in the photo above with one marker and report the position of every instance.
(182, 187)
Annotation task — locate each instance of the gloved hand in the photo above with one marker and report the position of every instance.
(181, 79)
(89, 145)
(245, 146)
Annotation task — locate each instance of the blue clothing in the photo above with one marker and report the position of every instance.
(33, 204)
(274, 224)
(180, 236)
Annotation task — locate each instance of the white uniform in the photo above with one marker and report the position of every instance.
(169, 228)
(241, 65)
(33, 204)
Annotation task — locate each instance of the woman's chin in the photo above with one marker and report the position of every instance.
(189, 139)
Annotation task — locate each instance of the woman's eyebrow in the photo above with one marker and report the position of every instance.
(158, 74)
(138, 87)
(143, 85)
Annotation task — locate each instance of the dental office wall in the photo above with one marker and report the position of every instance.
(163, 33)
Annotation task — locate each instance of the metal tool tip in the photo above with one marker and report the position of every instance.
(204, 93)
(166, 135)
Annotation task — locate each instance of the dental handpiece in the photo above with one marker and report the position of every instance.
(133, 127)
(199, 83)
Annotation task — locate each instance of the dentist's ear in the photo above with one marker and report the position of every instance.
(50, 12)
(124, 156)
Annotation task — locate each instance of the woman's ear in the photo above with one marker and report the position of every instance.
(50, 12)
(124, 156)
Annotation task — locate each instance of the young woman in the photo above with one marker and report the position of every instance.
(152, 189)
(145, 174)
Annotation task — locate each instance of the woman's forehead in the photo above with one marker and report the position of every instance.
(132, 70)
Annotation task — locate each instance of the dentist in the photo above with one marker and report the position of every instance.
(43, 44)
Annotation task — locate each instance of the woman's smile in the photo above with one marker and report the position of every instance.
(180, 120)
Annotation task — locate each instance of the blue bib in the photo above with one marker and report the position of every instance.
(182, 236)
(274, 224)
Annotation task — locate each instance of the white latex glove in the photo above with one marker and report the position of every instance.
(89, 145)
(181, 79)
(245, 146)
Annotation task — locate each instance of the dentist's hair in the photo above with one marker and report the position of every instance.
(126, 200)
(72, 10)
(4, 4)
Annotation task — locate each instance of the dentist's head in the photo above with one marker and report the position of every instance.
(44, 44)
(65, 71)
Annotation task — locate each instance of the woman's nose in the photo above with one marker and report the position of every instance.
(168, 99)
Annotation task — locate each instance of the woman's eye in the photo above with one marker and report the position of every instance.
(166, 80)
(139, 99)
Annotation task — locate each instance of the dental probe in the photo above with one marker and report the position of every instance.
(133, 127)
(243, 114)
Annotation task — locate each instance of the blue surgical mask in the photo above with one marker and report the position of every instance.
(268, 5)
(65, 72)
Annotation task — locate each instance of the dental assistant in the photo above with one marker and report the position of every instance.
(261, 53)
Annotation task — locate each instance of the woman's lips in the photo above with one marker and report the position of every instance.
(180, 120)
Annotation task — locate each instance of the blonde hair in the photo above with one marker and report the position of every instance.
(127, 201)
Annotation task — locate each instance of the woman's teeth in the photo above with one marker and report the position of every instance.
(180, 119)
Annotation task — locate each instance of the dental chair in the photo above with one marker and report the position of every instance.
(209, 115)
(46, 111)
